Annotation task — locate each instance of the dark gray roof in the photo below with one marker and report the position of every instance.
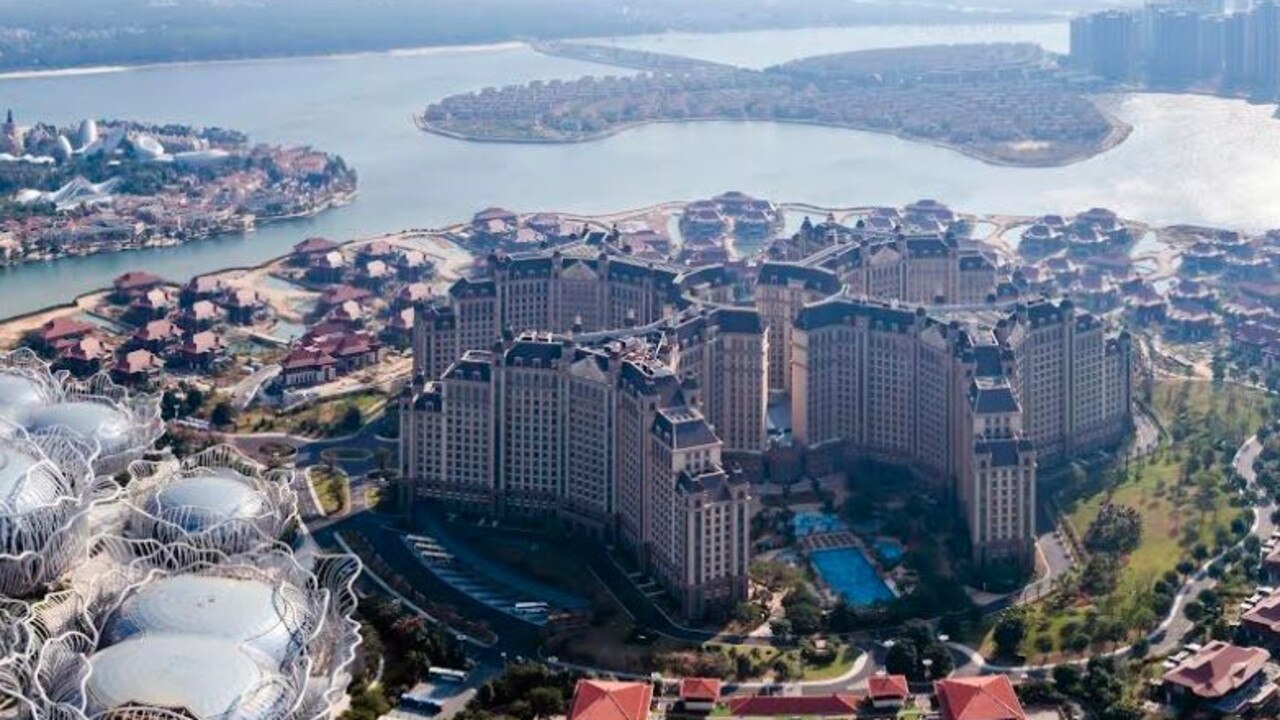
(473, 288)
(744, 321)
(992, 399)
(988, 361)
(713, 483)
(429, 399)
(927, 246)
(474, 366)
(837, 311)
(683, 427)
(780, 273)
(1005, 452)
(975, 261)
(531, 353)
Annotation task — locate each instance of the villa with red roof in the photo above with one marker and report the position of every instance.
(989, 697)
(1262, 622)
(1225, 678)
(700, 694)
(605, 700)
(888, 692)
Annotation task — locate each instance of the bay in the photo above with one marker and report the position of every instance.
(1190, 159)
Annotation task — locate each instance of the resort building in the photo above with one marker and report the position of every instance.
(630, 398)
(606, 438)
(955, 402)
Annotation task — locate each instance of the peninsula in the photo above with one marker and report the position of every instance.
(1002, 103)
(116, 185)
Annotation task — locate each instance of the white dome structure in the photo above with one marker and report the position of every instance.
(47, 486)
(217, 499)
(172, 631)
(87, 134)
(147, 147)
(97, 410)
(208, 677)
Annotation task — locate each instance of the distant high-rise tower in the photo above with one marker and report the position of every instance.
(1264, 31)
(1106, 44)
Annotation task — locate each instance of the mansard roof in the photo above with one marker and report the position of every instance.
(837, 311)
(784, 273)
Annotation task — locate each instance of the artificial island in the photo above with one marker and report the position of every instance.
(116, 185)
(1003, 103)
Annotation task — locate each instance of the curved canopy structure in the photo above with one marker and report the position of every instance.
(47, 485)
(98, 410)
(168, 631)
(217, 499)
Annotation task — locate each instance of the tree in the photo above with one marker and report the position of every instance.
(1009, 632)
(1044, 644)
(546, 701)
(1117, 529)
(1066, 678)
(902, 658)
(352, 419)
(223, 414)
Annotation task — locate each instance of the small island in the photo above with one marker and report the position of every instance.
(1002, 103)
(118, 185)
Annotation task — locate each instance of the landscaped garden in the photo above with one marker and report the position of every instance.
(328, 418)
(332, 488)
(1142, 525)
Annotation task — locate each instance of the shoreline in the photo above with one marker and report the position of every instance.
(1120, 131)
(74, 303)
(479, 46)
(412, 51)
(333, 203)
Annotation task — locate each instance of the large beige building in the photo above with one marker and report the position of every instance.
(607, 438)
(959, 403)
(630, 398)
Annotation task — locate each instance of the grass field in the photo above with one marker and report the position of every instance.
(332, 488)
(1180, 506)
(319, 420)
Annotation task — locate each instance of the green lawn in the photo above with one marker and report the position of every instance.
(332, 488)
(1180, 505)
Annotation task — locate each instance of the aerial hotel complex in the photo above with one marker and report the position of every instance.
(189, 602)
(630, 397)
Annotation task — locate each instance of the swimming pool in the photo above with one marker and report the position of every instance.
(808, 523)
(888, 551)
(847, 571)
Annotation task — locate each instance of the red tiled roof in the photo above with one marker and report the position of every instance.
(305, 358)
(86, 349)
(314, 245)
(203, 342)
(888, 686)
(138, 361)
(63, 327)
(1218, 669)
(703, 689)
(343, 293)
(156, 330)
(137, 279)
(990, 697)
(601, 700)
(1265, 615)
(773, 705)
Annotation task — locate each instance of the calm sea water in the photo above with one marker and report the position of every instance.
(1190, 159)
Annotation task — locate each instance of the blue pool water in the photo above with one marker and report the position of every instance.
(848, 573)
(810, 523)
(890, 551)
